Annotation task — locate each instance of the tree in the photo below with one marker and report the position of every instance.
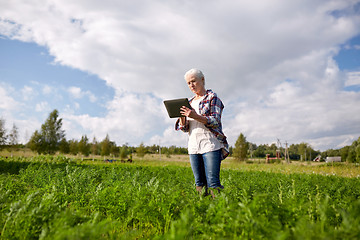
(64, 146)
(141, 150)
(351, 157)
(74, 147)
(3, 136)
(241, 148)
(260, 151)
(84, 146)
(114, 150)
(36, 142)
(94, 147)
(294, 152)
(14, 135)
(306, 151)
(52, 132)
(252, 148)
(123, 152)
(106, 146)
(344, 152)
(13, 138)
(48, 139)
(356, 147)
(357, 153)
(273, 149)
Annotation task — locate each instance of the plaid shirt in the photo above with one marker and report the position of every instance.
(210, 107)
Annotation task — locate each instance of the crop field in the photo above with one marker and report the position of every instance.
(59, 198)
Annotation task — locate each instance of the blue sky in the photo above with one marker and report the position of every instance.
(28, 64)
(349, 58)
(292, 72)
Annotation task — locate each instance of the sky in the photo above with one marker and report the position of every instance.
(287, 70)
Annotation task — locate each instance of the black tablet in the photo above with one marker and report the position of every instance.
(173, 106)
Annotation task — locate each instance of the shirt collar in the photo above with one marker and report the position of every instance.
(208, 91)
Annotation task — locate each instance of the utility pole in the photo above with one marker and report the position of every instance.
(251, 150)
(278, 152)
(287, 158)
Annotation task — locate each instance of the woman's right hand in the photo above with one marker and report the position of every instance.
(187, 112)
(191, 113)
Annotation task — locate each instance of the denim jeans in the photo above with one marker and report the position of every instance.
(206, 168)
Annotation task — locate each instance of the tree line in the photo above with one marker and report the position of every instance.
(303, 151)
(349, 154)
(50, 138)
(10, 139)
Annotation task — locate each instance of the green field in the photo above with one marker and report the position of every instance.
(60, 198)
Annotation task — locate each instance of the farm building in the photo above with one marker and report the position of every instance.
(333, 159)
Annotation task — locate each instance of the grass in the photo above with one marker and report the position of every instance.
(60, 198)
(334, 169)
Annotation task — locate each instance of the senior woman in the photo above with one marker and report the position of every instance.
(207, 145)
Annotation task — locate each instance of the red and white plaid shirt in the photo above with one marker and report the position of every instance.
(210, 107)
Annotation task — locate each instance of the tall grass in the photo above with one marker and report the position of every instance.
(61, 199)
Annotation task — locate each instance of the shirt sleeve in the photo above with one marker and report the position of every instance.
(214, 114)
(184, 128)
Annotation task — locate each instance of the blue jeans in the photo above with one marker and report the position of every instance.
(206, 168)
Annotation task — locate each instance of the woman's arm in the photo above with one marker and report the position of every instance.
(213, 111)
(182, 121)
(182, 124)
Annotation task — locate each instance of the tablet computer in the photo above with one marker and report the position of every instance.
(173, 106)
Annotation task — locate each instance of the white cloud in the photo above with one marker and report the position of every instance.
(130, 118)
(47, 90)
(135, 43)
(271, 62)
(7, 103)
(353, 78)
(91, 96)
(42, 107)
(292, 114)
(28, 93)
(77, 93)
(169, 138)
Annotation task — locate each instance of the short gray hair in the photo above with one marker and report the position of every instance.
(198, 74)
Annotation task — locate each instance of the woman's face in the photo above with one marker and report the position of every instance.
(195, 85)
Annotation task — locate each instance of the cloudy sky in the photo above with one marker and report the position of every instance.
(287, 70)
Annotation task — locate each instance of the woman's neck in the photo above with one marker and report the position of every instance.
(200, 94)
